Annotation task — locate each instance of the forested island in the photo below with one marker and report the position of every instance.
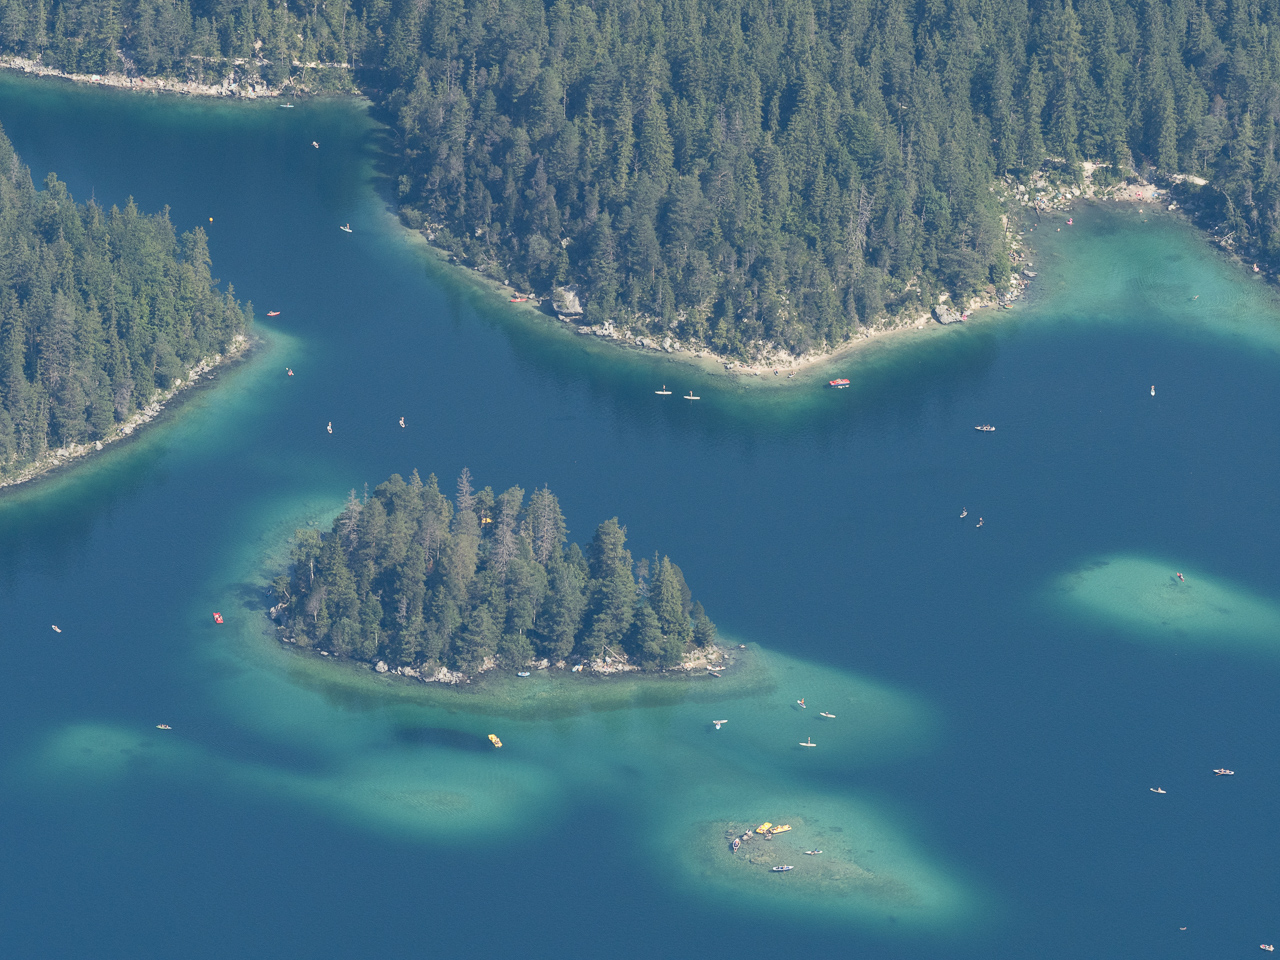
(741, 174)
(408, 577)
(102, 312)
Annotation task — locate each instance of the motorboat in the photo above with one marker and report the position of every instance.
(664, 392)
(964, 512)
(736, 844)
(273, 313)
(1269, 947)
(217, 618)
(985, 428)
(523, 673)
(345, 228)
(713, 673)
(782, 869)
(316, 145)
(330, 426)
(289, 371)
(839, 384)
(56, 628)
(493, 738)
(1224, 772)
(1158, 790)
(163, 726)
(829, 716)
(402, 421)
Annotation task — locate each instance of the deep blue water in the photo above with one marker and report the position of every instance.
(823, 525)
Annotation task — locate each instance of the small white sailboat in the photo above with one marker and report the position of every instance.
(345, 228)
(664, 392)
(690, 396)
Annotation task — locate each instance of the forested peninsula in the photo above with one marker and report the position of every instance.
(445, 590)
(742, 174)
(103, 315)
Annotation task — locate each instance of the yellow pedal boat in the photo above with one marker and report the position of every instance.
(764, 827)
(493, 738)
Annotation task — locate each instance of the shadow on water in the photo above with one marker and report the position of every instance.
(443, 737)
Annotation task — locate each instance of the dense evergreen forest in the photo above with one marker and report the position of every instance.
(98, 310)
(409, 577)
(744, 171)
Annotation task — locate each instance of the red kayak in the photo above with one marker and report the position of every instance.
(217, 618)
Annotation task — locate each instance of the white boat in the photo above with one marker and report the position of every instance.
(664, 392)
(812, 853)
(523, 673)
(719, 723)
(346, 228)
(829, 716)
(330, 427)
(1224, 772)
(286, 106)
(56, 628)
(690, 396)
(1158, 790)
(1153, 389)
(782, 869)
(808, 743)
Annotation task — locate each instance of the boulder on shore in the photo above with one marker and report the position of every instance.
(566, 303)
(944, 314)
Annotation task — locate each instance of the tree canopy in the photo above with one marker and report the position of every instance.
(410, 577)
(99, 309)
(741, 172)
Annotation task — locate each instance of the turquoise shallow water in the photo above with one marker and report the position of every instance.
(1007, 695)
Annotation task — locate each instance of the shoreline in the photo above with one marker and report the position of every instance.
(249, 87)
(53, 460)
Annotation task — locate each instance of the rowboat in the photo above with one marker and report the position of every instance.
(782, 869)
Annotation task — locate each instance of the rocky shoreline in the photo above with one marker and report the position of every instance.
(245, 86)
(64, 456)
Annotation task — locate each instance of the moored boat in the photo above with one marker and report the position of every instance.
(839, 384)
(493, 738)
(217, 618)
(782, 869)
(781, 829)
(736, 844)
(764, 827)
(523, 673)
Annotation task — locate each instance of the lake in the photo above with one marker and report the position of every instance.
(1005, 696)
